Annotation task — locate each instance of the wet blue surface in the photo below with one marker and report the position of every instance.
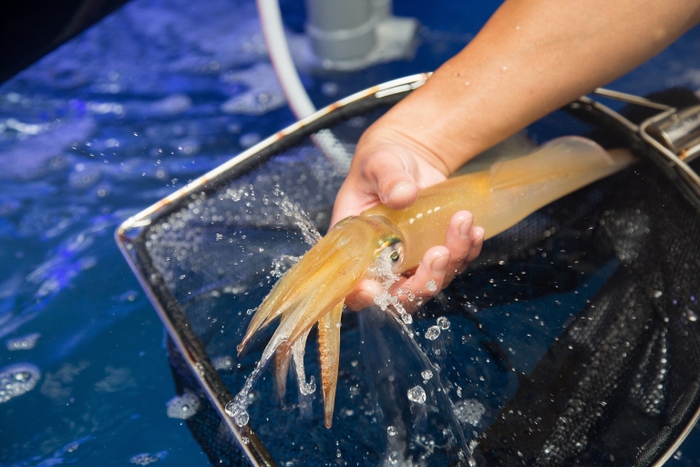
(153, 96)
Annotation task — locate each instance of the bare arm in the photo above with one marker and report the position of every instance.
(532, 57)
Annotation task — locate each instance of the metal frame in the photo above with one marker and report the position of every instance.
(173, 317)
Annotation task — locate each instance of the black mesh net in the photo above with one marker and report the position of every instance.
(573, 340)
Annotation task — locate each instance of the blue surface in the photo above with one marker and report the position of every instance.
(107, 125)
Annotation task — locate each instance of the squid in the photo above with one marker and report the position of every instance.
(313, 291)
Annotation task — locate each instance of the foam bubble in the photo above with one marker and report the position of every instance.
(23, 342)
(469, 411)
(146, 458)
(17, 379)
(184, 406)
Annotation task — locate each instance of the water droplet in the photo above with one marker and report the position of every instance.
(658, 293)
(393, 458)
(431, 286)
(391, 430)
(416, 394)
(432, 333)
(237, 411)
(241, 418)
(678, 455)
(426, 374)
(443, 323)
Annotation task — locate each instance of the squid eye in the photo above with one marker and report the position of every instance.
(391, 251)
(395, 255)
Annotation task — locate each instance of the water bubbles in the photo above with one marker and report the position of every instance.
(184, 406)
(431, 286)
(426, 374)
(469, 411)
(391, 430)
(223, 362)
(147, 458)
(17, 379)
(416, 394)
(443, 323)
(24, 342)
(678, 455)
(692, 317)
(432, 333)
(658, 293)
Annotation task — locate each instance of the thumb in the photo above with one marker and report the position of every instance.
(383, 175)
(389, 175)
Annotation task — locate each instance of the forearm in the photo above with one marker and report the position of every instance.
(532, 57)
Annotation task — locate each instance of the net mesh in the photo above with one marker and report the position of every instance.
(573, 340)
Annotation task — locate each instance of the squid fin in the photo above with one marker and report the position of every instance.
(559, 158)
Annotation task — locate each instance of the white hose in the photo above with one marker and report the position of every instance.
(297, 97)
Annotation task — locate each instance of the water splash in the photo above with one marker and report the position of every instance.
(296, 214)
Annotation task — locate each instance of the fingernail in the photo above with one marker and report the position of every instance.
(440, 264)
(479, 232)
(395, 191)
(465, 229)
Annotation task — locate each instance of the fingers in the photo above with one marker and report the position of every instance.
(462, 246)
(440, 264)
(363, 294)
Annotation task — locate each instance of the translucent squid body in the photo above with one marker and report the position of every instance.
(314, 290)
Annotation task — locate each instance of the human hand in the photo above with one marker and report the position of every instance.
(393, 174)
